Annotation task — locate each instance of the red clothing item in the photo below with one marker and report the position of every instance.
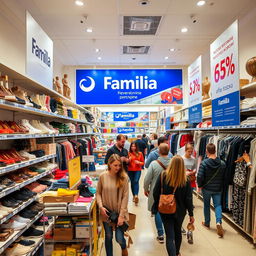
(132, 165)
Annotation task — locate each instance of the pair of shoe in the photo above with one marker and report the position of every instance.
(28, 214)
(15, 224)
(220, 231)
(160, 239)
(17, 91)
(21, 248)
(36, 187)
(5, 233)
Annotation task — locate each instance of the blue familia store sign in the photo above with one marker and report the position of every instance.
(128, 86)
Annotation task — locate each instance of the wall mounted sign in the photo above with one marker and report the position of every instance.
(39, 58)
(126, 130)
(225, 78)
(195, 91)
(129, 86)
(124, 116)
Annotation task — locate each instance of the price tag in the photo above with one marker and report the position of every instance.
(88, 159)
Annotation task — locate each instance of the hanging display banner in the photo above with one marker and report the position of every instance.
(225, 78)
(195, 91)
(39, 58)
(129, 86)
(131, 116)
(125, 116)
(125, 130)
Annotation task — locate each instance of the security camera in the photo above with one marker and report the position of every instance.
(193, 18)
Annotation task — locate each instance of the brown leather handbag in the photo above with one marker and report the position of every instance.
(167, 203)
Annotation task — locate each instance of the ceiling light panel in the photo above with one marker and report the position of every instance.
(141, 25)
(135, 49)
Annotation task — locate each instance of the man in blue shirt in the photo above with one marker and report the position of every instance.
(154, 154)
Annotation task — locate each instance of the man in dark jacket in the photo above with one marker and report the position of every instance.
(210, 179)
(119, 149)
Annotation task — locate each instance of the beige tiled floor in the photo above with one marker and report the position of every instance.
(206, 242)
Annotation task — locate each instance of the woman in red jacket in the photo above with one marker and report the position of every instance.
(136, 161)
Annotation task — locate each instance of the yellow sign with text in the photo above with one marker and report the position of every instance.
(74, 171)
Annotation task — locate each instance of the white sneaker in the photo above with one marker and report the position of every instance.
(55, 131)
(26, 154)
(14, 225)
(32, 130)
(21, 219)
(37, 125)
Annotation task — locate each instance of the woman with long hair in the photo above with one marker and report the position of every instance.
(136, 161)
(112, 196)
(174, 181)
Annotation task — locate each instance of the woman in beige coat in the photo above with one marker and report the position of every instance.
(112, 195)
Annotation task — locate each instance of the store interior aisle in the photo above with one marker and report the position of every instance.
(206, 242)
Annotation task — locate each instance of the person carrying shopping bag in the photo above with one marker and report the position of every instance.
(112, 199)
(173, 187)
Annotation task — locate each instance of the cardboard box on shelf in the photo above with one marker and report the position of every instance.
(60, 199)
(63, 233)
(83, 229)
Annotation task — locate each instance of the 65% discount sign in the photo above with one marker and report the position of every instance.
(224, 68)
(225, 78)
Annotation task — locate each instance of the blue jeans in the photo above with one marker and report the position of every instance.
(159, 224)
(134, 178)
(216, 197)
(109, 236)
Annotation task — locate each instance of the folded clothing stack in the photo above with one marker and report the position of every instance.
(55, 208)
(205, 124)
(62, 128)
(249, 121)
(207, 111)
(77, 208)
(62, 183)
(248, 103)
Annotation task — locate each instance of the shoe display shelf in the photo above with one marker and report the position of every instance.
(34, 86)
(227, 217)
(23, 184)
(94, 235)
(20, 208)
(36, 136)
(13, 167)
(41, 240)
(12, 106)
(4, 245)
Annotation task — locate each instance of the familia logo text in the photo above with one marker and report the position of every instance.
(40, 53)
(139, 83)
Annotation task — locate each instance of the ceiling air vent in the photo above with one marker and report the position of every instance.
(135, 49)
(140, 25)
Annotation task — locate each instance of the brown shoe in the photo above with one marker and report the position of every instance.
(220, 230)
(124, 252)
(205, 225)
(136, 200)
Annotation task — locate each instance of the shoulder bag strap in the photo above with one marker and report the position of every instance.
(161, 164)
(162, 177)
(214, 175)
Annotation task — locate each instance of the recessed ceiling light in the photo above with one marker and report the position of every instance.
(99, 58)
(79, 2)
(184, 30)
(97, 50)
(166, 58)
(201, 3)
(172, 50)
(89, 30)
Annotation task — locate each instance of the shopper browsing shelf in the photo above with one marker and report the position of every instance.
(119, 149)
(153, 172)
(112, 198)
(210, 180)
(174, 181)
(190, 164)
(154, 154)
(136, 161)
